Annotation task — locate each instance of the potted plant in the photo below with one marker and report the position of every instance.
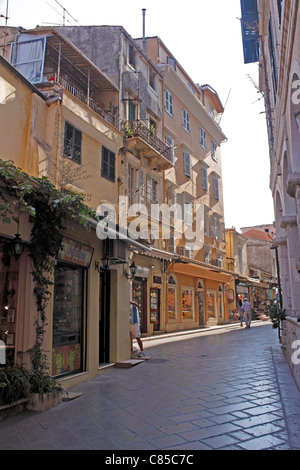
(45, 392)
(14, 385)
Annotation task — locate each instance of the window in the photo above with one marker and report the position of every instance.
(152, 79)
(141, 189)
(188, 213)
(168, 102)
(204, 179)
(170, 141)
(240, 257)
(171, 241)
(185, 120)
(187, 164)
(172, 298)
(28, 57)
(171, 61)
(187, 303)
(207, 221)
(207, 256)
(72, 143)
(279, 6)
(211, 304)
(273, 60)
(203, 138)
(214, 150)
(131, 111)
(151, 190)
(131, 184)
(131, 55)
(68, 310)
(153, 125)
(108, 164)
(216, 188)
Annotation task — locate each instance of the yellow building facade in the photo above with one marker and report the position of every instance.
(51, 130)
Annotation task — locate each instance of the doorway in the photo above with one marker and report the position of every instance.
(139, 295)
(155, 308)
(104, 317)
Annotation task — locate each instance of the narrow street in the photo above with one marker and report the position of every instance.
(228, 388)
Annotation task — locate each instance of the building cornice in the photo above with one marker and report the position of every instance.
(175, 83)
(288, 221)
(293, 183)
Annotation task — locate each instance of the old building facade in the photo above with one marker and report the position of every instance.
(56, 121)
(158, 93)
(124, 125)
(278, 27)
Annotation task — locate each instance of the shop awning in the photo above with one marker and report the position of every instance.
(163, 254)
(194, 270)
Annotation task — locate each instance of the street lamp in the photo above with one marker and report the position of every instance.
(17, 246)
(132, 269)
(105, 264)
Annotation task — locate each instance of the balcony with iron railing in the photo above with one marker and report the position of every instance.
(149, 205)
(81, 96)
(145, 143)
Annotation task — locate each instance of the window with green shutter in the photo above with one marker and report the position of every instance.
(72, 143)
(108, 164)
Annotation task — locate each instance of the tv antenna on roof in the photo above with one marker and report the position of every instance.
(4, 31)
(64, 14)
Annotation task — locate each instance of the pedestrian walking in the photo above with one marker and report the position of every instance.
(247, 311)
(135, 332)
(240, 304)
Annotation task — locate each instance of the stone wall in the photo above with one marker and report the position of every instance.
(291, 346)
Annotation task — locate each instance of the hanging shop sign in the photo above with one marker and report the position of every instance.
(75, 253)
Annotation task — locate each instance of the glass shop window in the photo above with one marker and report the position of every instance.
(67, 320)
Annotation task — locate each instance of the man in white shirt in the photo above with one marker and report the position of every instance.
(247, 310)
(135, 332)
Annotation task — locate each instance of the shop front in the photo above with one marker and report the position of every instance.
(148, 290)
(9, 277)
(196, 296)
(69, 308)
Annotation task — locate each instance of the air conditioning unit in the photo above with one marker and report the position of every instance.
(116, 250)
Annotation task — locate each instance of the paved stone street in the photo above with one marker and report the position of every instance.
(228, 388)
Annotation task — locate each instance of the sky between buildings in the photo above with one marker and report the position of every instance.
(205, 38)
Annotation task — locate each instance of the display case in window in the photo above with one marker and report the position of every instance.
(67, 319)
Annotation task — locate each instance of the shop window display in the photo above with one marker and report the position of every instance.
(187, 299)
(8, 299)
(67, 320)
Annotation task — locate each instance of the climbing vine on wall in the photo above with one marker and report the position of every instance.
(51, 212)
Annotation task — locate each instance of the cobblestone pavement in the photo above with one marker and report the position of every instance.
(228, 388)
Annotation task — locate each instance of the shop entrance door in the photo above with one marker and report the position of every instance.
(104, 317)
(139, 295)
(155, 308)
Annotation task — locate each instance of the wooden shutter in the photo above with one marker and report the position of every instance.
(187, 164)
(204, 178)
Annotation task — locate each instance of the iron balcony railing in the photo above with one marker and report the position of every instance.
(139, 128)
(83, 98)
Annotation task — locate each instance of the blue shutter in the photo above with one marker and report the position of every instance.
(250, 34)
